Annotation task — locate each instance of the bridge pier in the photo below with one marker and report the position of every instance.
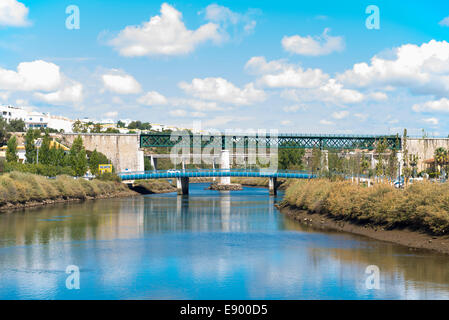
(182, 184)
(153, 162)
(272, 186)
(225, 166)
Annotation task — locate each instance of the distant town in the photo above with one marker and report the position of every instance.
(45, 120)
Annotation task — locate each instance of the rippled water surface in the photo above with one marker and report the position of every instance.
(208, 245)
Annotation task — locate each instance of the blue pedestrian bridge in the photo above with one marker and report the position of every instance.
(200, 173)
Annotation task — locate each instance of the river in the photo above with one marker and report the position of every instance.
(208, 245)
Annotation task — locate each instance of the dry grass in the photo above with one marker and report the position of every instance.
(422, 206)
(19, 187)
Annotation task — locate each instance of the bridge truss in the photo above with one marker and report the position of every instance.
(281, 141)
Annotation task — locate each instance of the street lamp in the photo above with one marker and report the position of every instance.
(37, 144)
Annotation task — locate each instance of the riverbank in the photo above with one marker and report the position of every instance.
(153, 186)
(24, 190)
(417, 217)
(261, 182)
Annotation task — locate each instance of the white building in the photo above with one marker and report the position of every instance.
(35, 119)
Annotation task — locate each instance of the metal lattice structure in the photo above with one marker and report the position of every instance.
(281, 141)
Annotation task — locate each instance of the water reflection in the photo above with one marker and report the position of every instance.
(207, 245)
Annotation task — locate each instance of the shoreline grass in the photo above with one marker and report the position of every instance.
(423, 206)
(22, 188)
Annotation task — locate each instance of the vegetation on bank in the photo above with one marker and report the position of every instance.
(50, 159)
(20, 188)
(422, 206)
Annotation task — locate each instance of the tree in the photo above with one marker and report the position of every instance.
(440, 156)
(11, 150)
(4, 132)
(364, 163)
(44, 150)
(77, 126)
(56, 156)
(381, 147)
(406, 166)
(120, 124)
(316, 160)
(96, 158)
(30, 148)
(78, 159)
(112, 130)
(291, 158)
(134, 125)
(414, 163)
(392, 165)
(96, 128)
(16, 125)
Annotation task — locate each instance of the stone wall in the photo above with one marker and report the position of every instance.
(425, 148)
(122, 149)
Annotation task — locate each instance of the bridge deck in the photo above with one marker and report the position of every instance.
(214, 173)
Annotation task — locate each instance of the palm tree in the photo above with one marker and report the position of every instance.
(440, 157)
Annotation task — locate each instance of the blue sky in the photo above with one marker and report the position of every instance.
(296, 66)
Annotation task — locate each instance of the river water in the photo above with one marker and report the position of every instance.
(208, 245)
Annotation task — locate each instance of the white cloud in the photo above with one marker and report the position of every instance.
(441, 105)
(378, 96)
(294, 78)
(432, 121)
(423, 69)
(313, 46)
(294, 108)
(165, 34)
(178, 113)
(444, 22)
(340, 115)
(13, 13)
(219, 122)
(111, 114)
(326, 122)
(4, 96)
(153, 98)
(70, 94)
(258, 65)
(332, 92)
(30, 76)
(286, 122)
(198, 105)
(279, 74)
(219, 89)
(361, 116)
(225, 17)
(197, 114)
(120, 83)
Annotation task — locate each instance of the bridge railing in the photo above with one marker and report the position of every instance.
(210, 170)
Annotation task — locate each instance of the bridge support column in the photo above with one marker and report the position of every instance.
(182, 184)
(153, 162)
(324, 160)
(224, 166)
(272, 186)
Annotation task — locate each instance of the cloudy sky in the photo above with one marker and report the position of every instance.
(296, 66)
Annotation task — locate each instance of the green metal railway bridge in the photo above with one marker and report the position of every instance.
(281, 141)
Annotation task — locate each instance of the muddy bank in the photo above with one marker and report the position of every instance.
(225, 187)
(32, 204)
(407, 237)
(153, 186)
